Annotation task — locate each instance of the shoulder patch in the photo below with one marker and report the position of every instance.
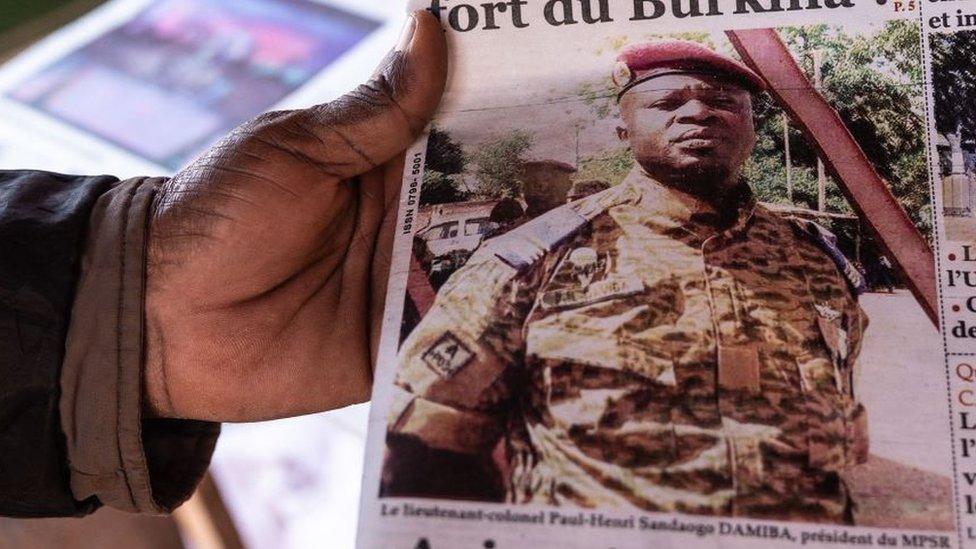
(526, 245)
(447, 356)
(827, 241)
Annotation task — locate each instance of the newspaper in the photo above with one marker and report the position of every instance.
(670, 273)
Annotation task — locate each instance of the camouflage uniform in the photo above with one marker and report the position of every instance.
(637, 350)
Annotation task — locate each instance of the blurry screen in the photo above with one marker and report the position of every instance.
(172, 80)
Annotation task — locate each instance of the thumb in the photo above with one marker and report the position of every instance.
(380, 119)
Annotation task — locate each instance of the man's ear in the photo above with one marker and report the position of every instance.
(622, 134)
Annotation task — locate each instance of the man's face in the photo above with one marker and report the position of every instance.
(691, 131)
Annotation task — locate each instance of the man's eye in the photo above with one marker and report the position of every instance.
(725, 103)
(664, 105)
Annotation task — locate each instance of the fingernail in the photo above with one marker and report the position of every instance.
(407, 36)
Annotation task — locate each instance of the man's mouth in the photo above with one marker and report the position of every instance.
(698, 139)
(698, 143)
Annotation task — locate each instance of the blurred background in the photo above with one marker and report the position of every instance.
(140, 87)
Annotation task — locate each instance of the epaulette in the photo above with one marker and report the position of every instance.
(827, 241)
(526, 245)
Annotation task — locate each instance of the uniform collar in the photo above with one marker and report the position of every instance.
(671, 207)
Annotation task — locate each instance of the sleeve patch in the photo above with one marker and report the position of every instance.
(447, 356)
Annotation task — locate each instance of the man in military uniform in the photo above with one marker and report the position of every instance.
(667, 344)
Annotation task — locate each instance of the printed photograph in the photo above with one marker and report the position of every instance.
(954, 92)
(647, 291)
(182, 73)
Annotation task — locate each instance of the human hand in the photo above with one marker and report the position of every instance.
(268, 256)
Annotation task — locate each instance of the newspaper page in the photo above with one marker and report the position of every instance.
(671, 273)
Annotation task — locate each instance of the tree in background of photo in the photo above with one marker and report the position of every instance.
(874, 82)
(443, 170)
(497, 164)
(611, 166)
(954, 88)
(490, 171)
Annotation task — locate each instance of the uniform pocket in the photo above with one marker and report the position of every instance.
(836, 341)
(739, 368)
(838, 427)
(837, 432)
(826, 432)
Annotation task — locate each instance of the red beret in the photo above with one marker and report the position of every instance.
(642, 62)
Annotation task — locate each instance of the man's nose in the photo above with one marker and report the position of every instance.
(694, 110)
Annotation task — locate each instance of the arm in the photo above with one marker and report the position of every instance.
(453, 384)
(67, 457)
(42, 221)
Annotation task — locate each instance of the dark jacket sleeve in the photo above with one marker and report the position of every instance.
(72, 435)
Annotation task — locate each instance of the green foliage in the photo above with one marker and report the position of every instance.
(612, 166)
(442, 182)
(874, 83)
(439, 188)
(599, 96)
(902, 46)
(498, 162)
(954, 82)
(443, 153)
